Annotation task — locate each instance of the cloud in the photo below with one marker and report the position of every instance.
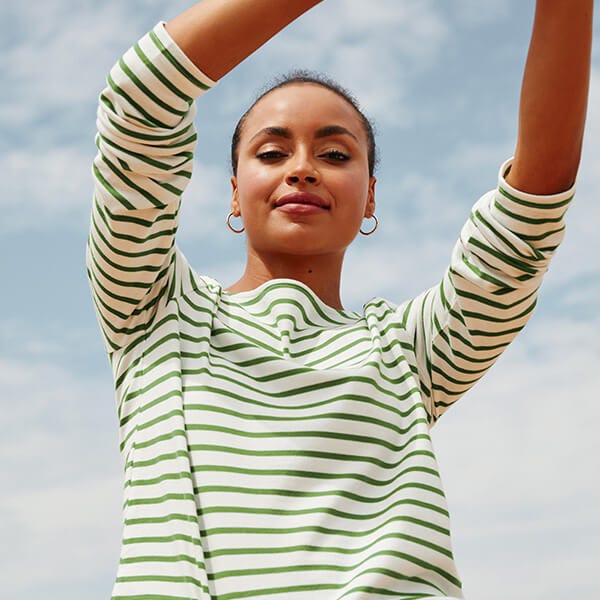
(62, 480)
(63, 540)
(397, 266)
(516, 457)
(46, 187)
(375, 53)
(474, 14)
(206, 202)
(64, 49)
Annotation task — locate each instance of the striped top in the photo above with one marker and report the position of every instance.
(275, 447)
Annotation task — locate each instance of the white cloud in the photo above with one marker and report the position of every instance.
(51, 78)
(396, 267)
(475, 14)
(62, 480)
(46, 186)
(60, 540)
(375, 52)
(411, 30)
(65, 48)
(519, 456)
(206, 202)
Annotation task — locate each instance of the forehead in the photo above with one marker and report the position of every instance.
(303, 106)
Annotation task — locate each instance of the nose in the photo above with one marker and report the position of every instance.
(302, 170)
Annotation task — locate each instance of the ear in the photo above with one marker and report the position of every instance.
(370, 205)
(235, 203)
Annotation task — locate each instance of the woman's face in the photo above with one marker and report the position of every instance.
(302, 185)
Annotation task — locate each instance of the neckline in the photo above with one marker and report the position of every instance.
(264, 288)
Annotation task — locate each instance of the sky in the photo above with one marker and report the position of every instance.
(519, 454)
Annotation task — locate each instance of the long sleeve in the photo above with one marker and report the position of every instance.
(487, 295)
(145, 141)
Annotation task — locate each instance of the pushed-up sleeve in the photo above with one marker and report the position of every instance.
(488, 293)
(146, 137)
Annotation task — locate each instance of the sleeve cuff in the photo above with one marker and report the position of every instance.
(189, 78)
(536, 218)
(533, 198)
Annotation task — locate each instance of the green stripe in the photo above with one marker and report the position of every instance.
(154, 202)
(317, 434)
(257, 417)
(164, 80)
(148, 119)
(326, 549)
(327, 567)
(480, 274)
(148, 92)
(329, 531)
(299, 372)
(360, 398)
(186, 158)
(162, 579)
(516, 263)
(505, 240)
(332, 512)
(302, 474)
(298, 452)
(287, 493)
(151, 597)
(176, 537)
(156, 135)
(143, 268)
(167, 54)
(529, 220)
(160, 499)
(544, 204)
(111, 189)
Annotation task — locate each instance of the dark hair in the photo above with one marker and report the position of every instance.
(303, 76)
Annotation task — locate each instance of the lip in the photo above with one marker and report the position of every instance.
(302, 201)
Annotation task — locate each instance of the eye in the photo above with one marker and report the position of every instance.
(335, 155)
(270, 155)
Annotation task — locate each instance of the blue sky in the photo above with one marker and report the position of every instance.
(520, 454)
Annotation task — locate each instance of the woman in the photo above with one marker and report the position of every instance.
(275, 444)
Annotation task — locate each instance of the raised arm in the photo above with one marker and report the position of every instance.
(554, 97)
(219, 34)
(145, 141)
(504, 250)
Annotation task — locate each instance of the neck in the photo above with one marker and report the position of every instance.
(320, 273)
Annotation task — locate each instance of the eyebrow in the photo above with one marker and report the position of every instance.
(330, 130)
(322, 132)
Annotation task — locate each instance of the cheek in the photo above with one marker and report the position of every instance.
(252, 186)
(355, 190)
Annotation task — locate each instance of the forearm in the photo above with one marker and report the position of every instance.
(219, 34)
(554, 97)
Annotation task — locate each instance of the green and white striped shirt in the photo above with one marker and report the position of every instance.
(276, 447)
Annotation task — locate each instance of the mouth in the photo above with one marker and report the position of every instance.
(302, 199)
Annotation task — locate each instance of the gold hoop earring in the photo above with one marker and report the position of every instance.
(372, 231)
(228, 221)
